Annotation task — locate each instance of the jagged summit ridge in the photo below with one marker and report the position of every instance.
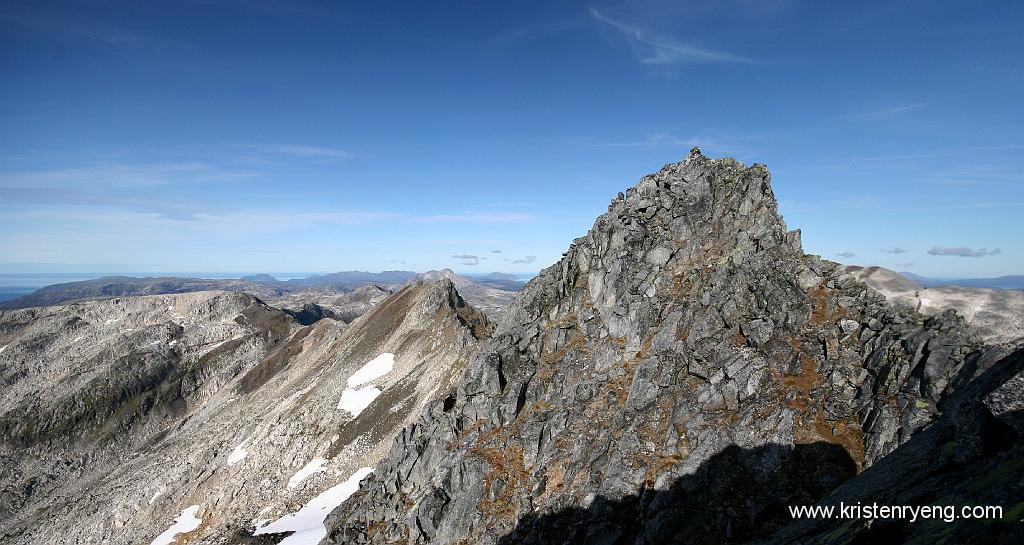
(686, 323)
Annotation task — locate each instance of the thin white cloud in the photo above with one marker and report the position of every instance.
(655, 49)
(475, 217)
(895, 250)
(846, 254)
(467, 259)
(115, 38)
(125, 175)
(311, 152)
(933, 154)
(358, 218)
(662, 140)
(962, 251)
(880, 114)
(65, 198)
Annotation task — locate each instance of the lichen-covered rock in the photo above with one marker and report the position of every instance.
(683, 356)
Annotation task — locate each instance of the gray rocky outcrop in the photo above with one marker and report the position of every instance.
(682, 373)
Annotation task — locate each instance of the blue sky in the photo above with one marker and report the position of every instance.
(278, 136)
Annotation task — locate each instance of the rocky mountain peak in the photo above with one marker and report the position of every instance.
(686, 330)
(488, 299)
(437, 275)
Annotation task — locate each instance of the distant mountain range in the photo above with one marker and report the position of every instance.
(499, 280)
(1014, 282)
(489, 292)
(350, 279)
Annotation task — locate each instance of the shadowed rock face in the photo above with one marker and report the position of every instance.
(687, 333)
(711, 505)
(119, 414)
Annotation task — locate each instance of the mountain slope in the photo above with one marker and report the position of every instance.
(683, 357)
(213, 408)
(996, 315)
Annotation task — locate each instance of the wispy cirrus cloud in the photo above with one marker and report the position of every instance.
(934, 154)
(655, 49)
(476, 217)
(662, 140)
(126, 200)
(962, 251)
(96, 203)
(877, 114)
(846, 254)
(125, 175)
(308, 152)
(895, 250)
(467, 259)
(81, 30)
(526, 260)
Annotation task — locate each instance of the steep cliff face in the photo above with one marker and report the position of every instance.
(680, 375)
(121, 416)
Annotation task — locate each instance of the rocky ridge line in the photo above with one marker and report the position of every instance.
(687, 331)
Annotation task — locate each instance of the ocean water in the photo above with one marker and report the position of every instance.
(9, 293)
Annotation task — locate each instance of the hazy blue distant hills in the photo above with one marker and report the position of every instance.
(352, 279)
(261, 278)
(264, 286)
(124, 286)
(501, 281)
(1014, 282)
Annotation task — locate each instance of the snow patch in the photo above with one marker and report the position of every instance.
(308, 522)
(155, 496)
(316, 466)
(354, 401)
(185, 523)
(374, 369)
(238, 454)
(4, 347)
(925, 302)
